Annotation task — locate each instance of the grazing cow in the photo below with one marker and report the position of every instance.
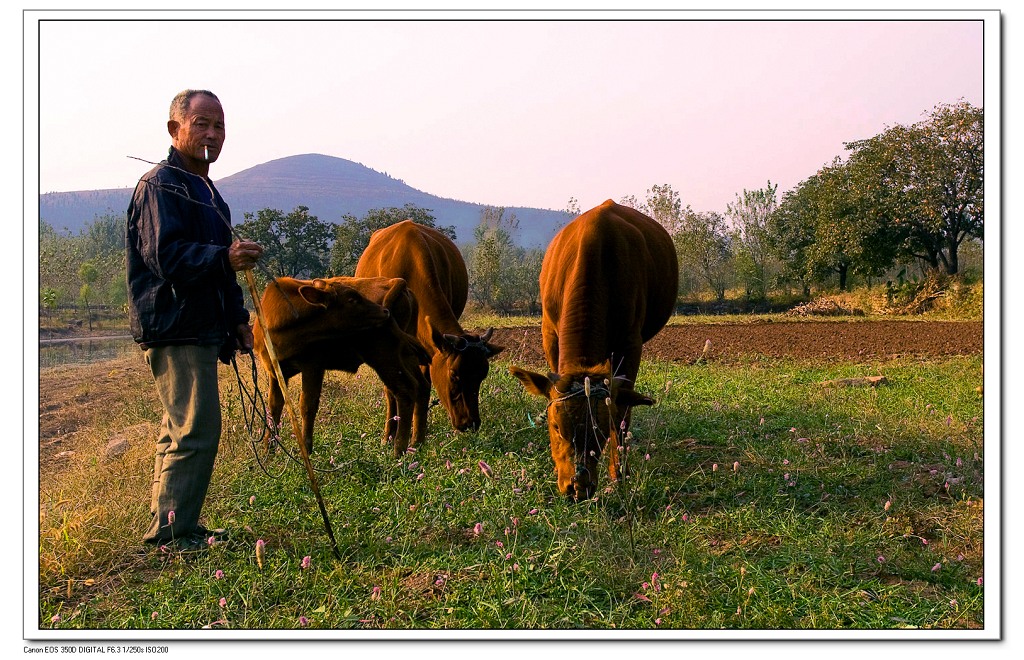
(608, 284)
(434, 269)
(340, 323)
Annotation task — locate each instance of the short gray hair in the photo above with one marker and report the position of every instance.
(181, 101)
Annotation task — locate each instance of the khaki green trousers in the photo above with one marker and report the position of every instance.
(186, 382)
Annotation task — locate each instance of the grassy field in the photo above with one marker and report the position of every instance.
(759, 500)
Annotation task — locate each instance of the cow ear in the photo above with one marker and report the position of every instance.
(314, 295)
(630, 398)
(492, 349)
(533, 382)
(441, 341)
(456, 342)
(398, 286)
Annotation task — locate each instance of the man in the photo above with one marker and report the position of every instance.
(186, 309)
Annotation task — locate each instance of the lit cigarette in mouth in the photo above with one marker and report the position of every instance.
(206, 153)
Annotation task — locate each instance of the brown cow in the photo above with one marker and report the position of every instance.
(340, 323)
(608, 284)
(434, 269)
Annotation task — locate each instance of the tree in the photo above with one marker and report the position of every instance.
(352, 235)
(704, 247)
(88, 273)
(927, 180)
(749, 217)
(503, 276)
(664, 206)
(48, 300)
(824, 227)
(295, 245)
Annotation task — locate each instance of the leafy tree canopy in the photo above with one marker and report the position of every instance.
(352, 235)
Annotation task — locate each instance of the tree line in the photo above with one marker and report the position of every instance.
(910, 197)
(88, 269)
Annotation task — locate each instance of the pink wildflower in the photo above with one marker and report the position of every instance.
(170, 517)
(478, 528)
(486, 469)
(979, 582)
(375, 594)
(252, 500)
(532, 512)
(219, 575)
(306, 561)
(223, 602)
(936, 567)
(303, 621)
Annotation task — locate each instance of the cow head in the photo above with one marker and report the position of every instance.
(457, 369)
(585, 410)
(347, 309)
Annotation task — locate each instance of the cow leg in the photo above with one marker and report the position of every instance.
(275, 401)
(394, 424)
(309, 403)
(626, 365)
(420, 410)
(549, 341)
(616, 468)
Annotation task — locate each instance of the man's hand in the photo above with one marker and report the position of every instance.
(242, 255)
(244, 335)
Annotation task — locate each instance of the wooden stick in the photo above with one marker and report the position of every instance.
(296, 427)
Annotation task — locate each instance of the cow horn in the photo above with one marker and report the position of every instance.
(487, 335)
(457, 342)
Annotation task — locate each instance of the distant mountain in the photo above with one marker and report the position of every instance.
(330, 187)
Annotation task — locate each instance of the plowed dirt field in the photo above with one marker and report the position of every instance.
(829, 340)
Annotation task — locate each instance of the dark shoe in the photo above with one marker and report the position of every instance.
(219, 535)
(191, 543)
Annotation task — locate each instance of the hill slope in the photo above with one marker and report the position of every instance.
(330, 187)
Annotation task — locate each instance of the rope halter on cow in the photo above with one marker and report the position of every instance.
(590, 392)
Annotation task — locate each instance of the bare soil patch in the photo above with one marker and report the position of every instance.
(832, 340)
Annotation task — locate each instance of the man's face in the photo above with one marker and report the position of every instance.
(199, 135)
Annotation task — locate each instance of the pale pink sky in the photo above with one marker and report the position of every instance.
(527, 113)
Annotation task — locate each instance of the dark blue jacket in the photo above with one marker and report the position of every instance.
(181, 288)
